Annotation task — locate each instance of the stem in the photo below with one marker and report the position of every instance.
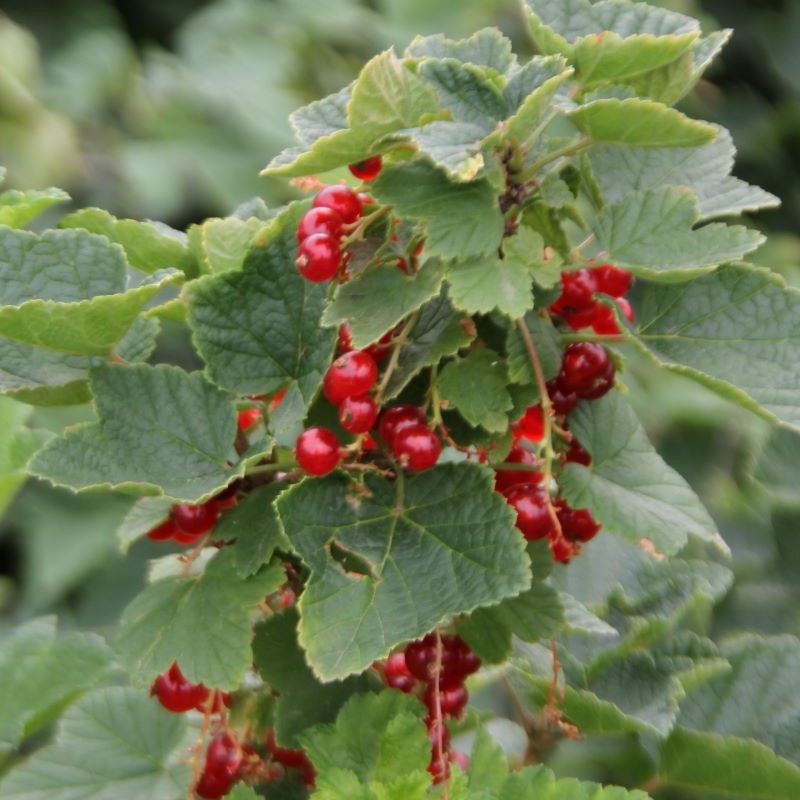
(597, 338)
(437, 716)
(547, 415)
(562, 152)
(362, 225)
(261, 469)
(395, 356)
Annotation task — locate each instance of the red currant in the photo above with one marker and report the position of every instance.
(163, 532)
(584, 368)
(341, 199)
(506, 478)
(317, 451)
(248, 418)
(353, 373)
(224, 755)
(416, 447)
(421, 655)
(368, 169)
(530, 426)
(175, 693)
(211, 786)
(451, 701)
(577, 455)
(577, 292)
(358, 414)
(397, 674)
(291, 759)
(394, 419)
(318, 257)
(319, 220)
(563, 402)
(611, 280)
(195, 521)
(563, 550)
(577, 524)
(533, 514)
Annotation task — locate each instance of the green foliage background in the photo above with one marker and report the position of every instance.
(169, 110)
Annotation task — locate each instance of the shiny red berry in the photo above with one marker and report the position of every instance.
(577, 292)
(577, 455)
(341, 199)
(531, 505)
(394, 419)
(247, 418)
(611, 280)
(563, 402)
(506, 478)
(177, 694)
(318, 257)
(577, 524)
(163, 532)
(563, 550)
(319, 220)
(317, 451)
(420, 657)
(368, 169)
(583, 365)
(416, 447)
(397, 674)
(530, 426)
(195, 520)
(358, 414)
(211, 786)
(451, 701)
(353, 373)
(224, 755)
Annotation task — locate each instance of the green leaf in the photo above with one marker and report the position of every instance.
(254, 524)
(776, 467)
(608, 57)
(461, 219)
(91, 327)
(379, 737)
(548, 346)
(476, 387)
(17, 445)
(487, 764)
(302, 700)
(388, 293)
(259, 329)
(149, 246)
(19, 208)
(468, 92)
(479, 285)
(652, 234)
(387, 97)
(529, 93)
(85, 761)
(485, 48)
(241, 791)
(735, 767)
(40, 674)
(437, 333)
(221, 244)
(447, 518)
(557, 25)
(639, 123)
(144, 515)
(539, 782)
(202, 620)
(65, 266)
(453, 146)
(736, 330)
(704, 170)
(160, 430)
(757, 699)
(628, 487)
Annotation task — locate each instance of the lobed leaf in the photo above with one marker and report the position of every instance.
(628, 487)
(203, 621)
(447, 520)
(736, 330)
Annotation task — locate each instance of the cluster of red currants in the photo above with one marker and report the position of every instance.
(577, 305)
(179, 695)
(438, 677)
(333, 211)
(403, 429)
(187, 524)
